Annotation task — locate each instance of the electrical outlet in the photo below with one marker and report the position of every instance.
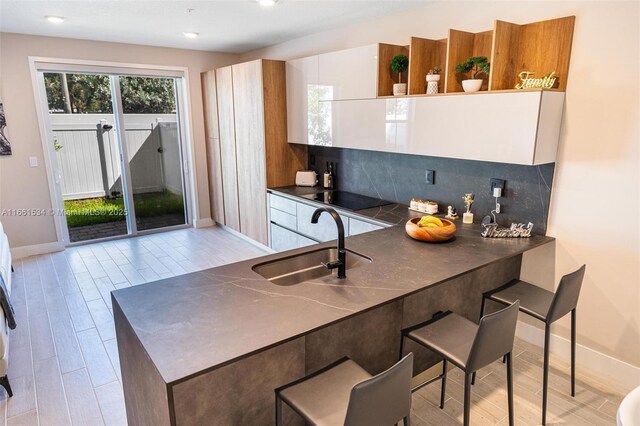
(430, 177)
(496, 183)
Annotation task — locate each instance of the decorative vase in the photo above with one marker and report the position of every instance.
(399, 89)
(472, 85)
(467, 217)
(432, 83)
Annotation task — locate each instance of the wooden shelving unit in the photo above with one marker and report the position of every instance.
(539, 47)
(463, 45)
(386, 77)
(425, 54)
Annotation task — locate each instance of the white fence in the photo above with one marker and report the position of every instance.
(88, 155)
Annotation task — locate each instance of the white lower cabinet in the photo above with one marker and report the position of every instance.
(283, 239)
(360, 227)
(291, 227)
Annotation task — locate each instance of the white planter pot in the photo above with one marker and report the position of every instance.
(472, 85)
(399, 89)
(433, 77)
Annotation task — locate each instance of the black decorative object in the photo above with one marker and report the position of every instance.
(5, 146)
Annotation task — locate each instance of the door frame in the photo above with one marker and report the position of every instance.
(43, 64)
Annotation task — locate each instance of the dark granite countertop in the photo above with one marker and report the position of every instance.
(200, 321)
(390, 214)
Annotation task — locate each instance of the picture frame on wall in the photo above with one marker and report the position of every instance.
(5, 145)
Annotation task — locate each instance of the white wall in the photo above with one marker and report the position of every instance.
(24, 187)
(595, 200)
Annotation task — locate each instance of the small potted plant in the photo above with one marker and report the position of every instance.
(475, 65)
(399, 64)
(434, 74)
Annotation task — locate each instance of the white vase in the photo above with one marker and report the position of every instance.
(432, 88)
(433, 77)
(472, 85)
(399, 89)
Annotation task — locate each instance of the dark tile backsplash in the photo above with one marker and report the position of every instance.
(399, 177)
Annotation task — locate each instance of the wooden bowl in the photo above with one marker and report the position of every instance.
(430, 235)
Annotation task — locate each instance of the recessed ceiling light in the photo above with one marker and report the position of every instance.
(190, 34)
(55, 19)
(266, 2)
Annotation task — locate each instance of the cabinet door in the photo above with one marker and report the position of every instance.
(224, 89)
(302, 97)
(364, 124)
(324, 230)
(504, 127)
(216, 189)
(248, 99)
(348, 74)
(360, 227)
(282, 239)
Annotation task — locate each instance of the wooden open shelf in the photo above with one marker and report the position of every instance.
(425, 54)
(539, 47)
(386, 76)
(462, 46)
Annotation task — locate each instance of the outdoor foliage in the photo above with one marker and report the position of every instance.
(91, 94)
(477, 64)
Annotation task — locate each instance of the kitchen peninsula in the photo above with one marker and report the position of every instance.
(210, 346)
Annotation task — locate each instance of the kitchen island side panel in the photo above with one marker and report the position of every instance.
(145, 392)
(241, 393)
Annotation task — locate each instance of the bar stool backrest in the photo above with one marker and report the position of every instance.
(494, 337)
(384, 399)
(566, 298)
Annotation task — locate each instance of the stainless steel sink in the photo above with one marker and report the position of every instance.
(306, 266)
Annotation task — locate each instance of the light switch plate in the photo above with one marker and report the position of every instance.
(33, 161)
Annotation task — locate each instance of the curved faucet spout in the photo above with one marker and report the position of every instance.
(341, 263)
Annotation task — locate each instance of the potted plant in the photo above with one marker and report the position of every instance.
(476, 65)
(434, 74)
(399, 64)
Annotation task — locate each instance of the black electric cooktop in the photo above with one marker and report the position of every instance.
(347, 200)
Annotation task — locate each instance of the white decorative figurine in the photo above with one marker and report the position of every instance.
(451, 213)
(467, 217)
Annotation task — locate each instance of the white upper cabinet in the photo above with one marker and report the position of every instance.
(364, 124)
(512, 127)
(302, 97)
(348, 74)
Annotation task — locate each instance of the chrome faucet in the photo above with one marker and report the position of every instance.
(341, 263)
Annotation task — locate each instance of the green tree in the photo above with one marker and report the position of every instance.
(91, 93)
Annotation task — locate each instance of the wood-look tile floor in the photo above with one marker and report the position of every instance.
(63, 360)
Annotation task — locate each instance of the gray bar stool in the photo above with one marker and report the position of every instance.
(344, 393)
(547, 307)
(468, 346)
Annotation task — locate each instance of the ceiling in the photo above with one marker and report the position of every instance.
(235, 26)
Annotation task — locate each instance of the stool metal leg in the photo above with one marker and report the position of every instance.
(545, 373)
(510, 388)
(401, 345)
(406, 421)
(278, 410)
(573, 352)
(467, 399)
(444, 382)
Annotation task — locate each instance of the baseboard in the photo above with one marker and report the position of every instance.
(203, 223)
(26, 251)
(247, 239)
(603, 365)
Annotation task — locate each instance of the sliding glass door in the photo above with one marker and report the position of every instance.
(116, 143)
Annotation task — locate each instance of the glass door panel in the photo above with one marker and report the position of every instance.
(87, 154)
(152, 133)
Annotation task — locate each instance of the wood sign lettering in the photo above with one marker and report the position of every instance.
(528, 82)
